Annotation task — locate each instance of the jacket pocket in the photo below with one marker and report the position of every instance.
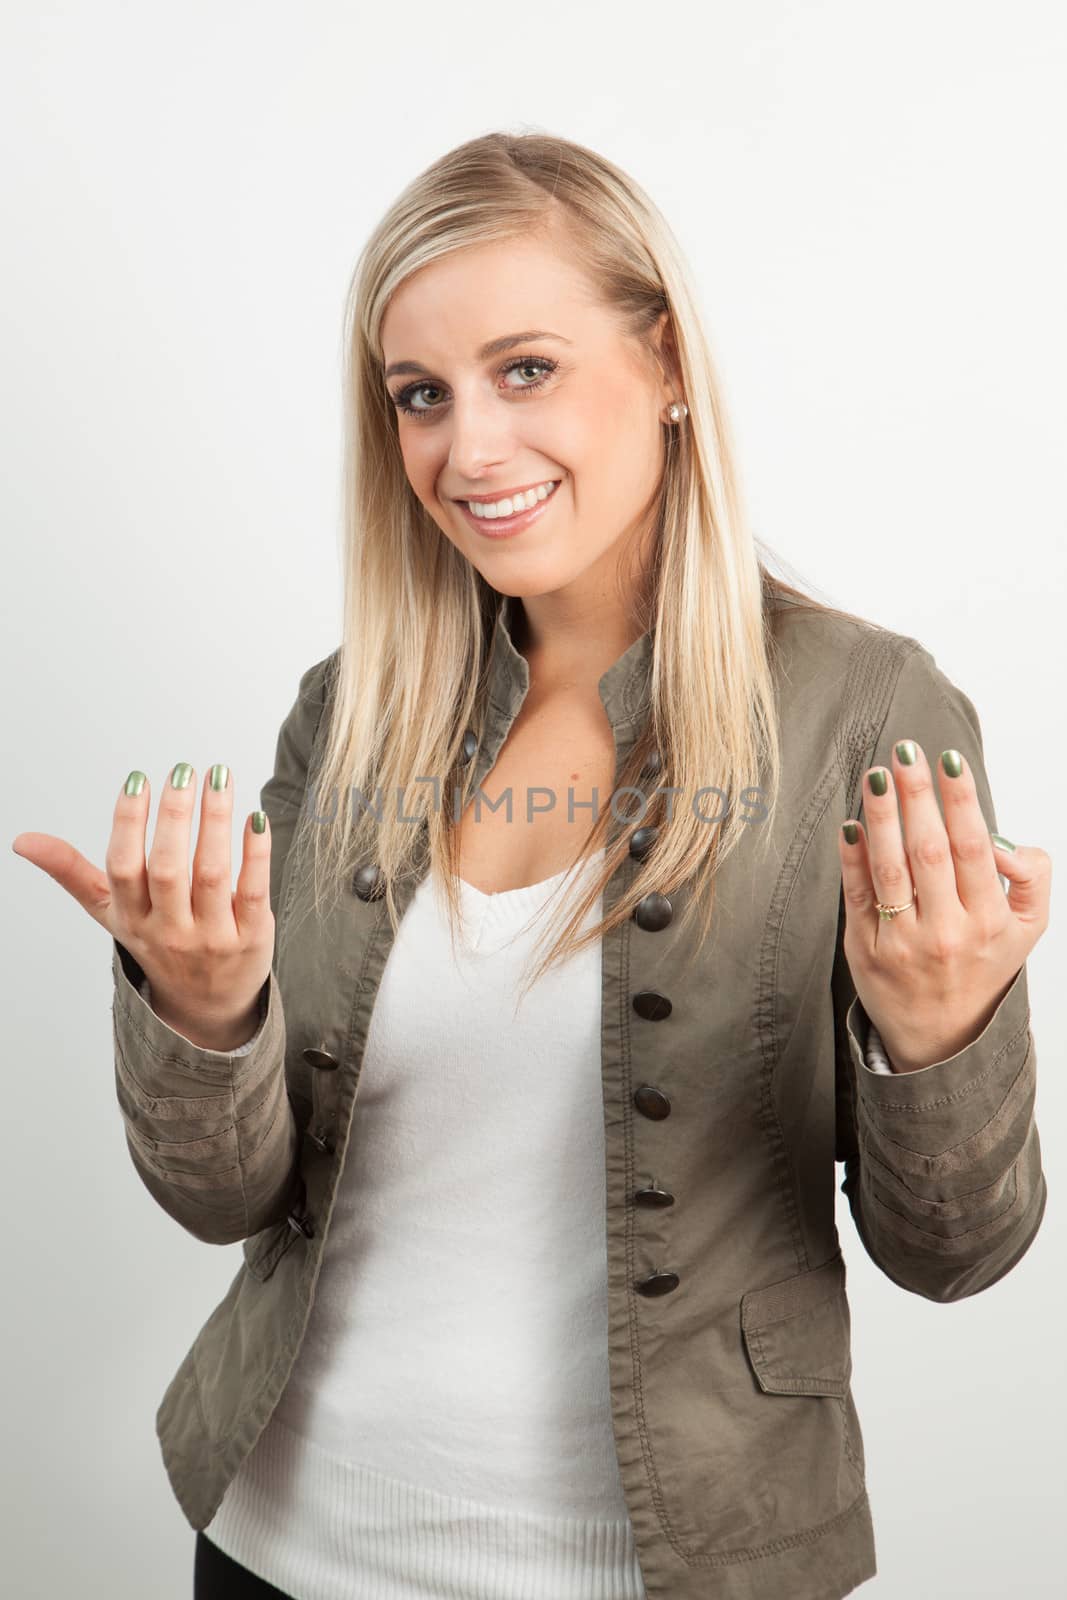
(798, 1332)
(752, 1431)
(265, 1249)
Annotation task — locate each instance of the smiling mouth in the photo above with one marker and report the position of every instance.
(503, 506)
(513, 524)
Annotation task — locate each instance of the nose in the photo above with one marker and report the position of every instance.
(482, 435)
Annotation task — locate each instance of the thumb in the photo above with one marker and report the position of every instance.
(71, 870)
(1027, 881)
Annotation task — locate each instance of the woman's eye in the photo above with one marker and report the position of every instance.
(527, 366)
(536, 364)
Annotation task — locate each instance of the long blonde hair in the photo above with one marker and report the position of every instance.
(418, 617)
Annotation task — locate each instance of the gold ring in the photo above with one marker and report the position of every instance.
(887, 913)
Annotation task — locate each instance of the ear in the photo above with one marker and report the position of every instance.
(666, 348)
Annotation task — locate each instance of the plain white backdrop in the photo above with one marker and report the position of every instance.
(871, 198)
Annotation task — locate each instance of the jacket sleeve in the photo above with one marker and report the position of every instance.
(943, 1168)
(243, 1049)
(212, 1133)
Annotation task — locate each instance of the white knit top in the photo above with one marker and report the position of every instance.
(446, 1428)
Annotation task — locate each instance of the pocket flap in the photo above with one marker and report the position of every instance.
(798, 1332)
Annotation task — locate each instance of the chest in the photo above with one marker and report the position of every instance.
(716, 1053)
(552, 778)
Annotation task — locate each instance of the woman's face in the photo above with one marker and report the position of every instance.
(574, 404)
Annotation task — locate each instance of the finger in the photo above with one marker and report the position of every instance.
(168, 859)
(927, 844)
(70, 869)
(212, 890)
(887, 858)
(974, 859)
(861, 918)
(1028, 870)
(251, 901)
(124, 861)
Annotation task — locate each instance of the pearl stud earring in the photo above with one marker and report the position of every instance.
(678, 411)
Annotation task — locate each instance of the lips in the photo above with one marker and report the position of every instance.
(502, 494)
(506, 527)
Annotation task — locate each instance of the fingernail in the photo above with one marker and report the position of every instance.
(878, 779)
(1005, 844)
(259, 822)
(181, 776)
(851, 831)
(907, 754)
(952, 762)
(135, 782)
(219, 775)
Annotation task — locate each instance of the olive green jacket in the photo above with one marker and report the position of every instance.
(738, 1442)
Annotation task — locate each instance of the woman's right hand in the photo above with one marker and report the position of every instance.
(206, 949)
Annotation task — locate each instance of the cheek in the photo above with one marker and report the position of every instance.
(423, 469)
(413, 456)
(609, 431)
(614, 460)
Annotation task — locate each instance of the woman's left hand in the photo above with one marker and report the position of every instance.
(931, 977)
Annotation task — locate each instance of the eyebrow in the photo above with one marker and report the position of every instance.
(495, 347)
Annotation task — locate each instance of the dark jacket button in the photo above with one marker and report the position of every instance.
(321, 1143)
(658, 1283)
(469, 747)
(301, 1224)
(652, 1102)
(652, 1005)
(641, 841)
(369, 882)
(324, 1059)
(653, 912)
(653, 1195)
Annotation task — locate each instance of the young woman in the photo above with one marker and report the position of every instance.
(557, 1305)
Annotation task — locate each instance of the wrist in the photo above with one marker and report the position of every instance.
(224, 1034)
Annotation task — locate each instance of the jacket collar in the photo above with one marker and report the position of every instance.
(624, 688)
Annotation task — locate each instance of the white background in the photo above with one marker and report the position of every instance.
(871, 198)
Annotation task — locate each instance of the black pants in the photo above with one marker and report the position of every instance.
(216, 1576)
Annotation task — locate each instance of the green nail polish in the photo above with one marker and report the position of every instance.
(878, 780)
(851, 831)
(952, 762)
(259, 822)
(181, 776)
(1005, 844)
(135, 782)
(219, 776)
(907, 754)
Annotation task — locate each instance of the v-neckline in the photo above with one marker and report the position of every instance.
(507, 894)
(499, 895)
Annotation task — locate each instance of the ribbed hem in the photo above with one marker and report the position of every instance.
(320, 1528)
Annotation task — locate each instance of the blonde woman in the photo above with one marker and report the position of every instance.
(560, 971)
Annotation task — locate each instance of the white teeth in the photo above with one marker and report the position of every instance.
(506, 507)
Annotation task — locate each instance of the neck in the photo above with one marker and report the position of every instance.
(568, 649)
